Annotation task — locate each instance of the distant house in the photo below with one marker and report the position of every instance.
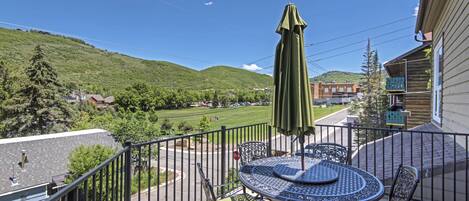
(409, 96)
(445, 24)
(47, 159)
(99, 101)
(333, 92)
(109, 100)
(75, 97)
(72, 98)
(95, 99)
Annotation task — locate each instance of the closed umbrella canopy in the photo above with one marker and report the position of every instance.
(292, 103)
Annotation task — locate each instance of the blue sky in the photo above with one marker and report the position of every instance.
(203, 33)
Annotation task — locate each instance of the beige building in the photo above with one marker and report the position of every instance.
(446, 24)
(321, 90)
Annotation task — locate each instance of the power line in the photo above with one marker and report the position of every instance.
(314, 62)
(340, 37)
(103, 42)
(359, 49)
(361, 31)
(358, 42)
(319, 66)
(261, 59)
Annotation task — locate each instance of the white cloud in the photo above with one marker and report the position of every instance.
(251, 67)
(209, 3)
(416, 10)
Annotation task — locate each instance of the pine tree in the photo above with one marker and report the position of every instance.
(374, 103)
(38, 106)
(367, 85)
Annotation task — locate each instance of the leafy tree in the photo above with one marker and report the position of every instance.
(185, 127)
(84, 158)
(124, 125)
(216, 99)
(167, 127)
(204, 124)
(429, 56)
(37, 107)
(135, 127)
(224, 100)
(83, 121)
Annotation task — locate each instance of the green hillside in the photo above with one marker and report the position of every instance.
(237, 77)
(86, 65)
(338, 76)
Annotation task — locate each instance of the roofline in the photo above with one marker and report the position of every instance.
(424, 45)
(51, 136)
(23, 189)
(420, 15)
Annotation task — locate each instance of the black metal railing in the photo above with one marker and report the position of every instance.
(441, 157)
(108, 181)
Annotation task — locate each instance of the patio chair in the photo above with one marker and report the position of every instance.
(252, 150)
(326, 151)
(210, 193)
(404, 184)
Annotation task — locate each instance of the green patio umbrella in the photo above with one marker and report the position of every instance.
(292, 102)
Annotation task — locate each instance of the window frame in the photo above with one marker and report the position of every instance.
(437, 88)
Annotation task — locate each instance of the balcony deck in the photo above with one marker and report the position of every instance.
(395, 84)
(395, 118)
(441, 157)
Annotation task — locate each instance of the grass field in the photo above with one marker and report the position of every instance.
(231, 117)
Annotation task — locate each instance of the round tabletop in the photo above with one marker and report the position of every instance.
(353, 183)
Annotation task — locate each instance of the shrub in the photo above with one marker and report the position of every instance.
(85, 158)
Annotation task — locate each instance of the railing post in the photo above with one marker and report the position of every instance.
(269, 145)
(349, 146)
(223, 159)
(128, 171)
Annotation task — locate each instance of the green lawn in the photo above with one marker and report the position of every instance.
(231, 117)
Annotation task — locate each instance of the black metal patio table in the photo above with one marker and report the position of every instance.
(352, 183)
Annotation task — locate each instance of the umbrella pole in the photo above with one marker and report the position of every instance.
(302, 141)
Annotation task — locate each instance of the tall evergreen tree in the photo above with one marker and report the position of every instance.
(38, 106)
(374, 100)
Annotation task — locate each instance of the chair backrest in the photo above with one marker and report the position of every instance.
(253, 150)
(206, 185)
(404, 184)
(328, 151)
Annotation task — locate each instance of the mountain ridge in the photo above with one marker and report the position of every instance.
(338, 76)
(85, 65)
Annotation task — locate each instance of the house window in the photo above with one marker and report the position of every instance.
(437, 80)
(334, 90)
(341, 89)
(349, 89)
(326, 90)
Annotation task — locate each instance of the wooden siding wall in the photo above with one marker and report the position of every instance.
(453, 25)
(418, 97)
